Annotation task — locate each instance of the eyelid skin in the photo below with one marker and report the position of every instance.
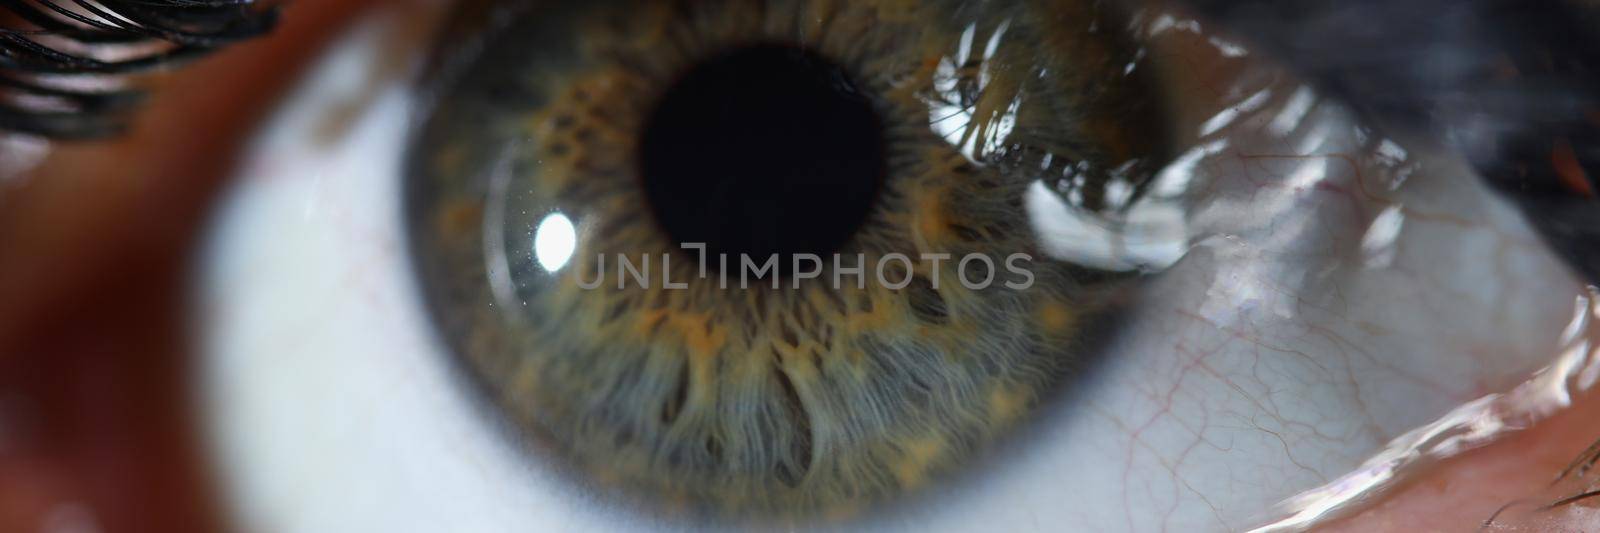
(94, 241)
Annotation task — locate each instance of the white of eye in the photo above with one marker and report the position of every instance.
(1240, 379)
(326, 394)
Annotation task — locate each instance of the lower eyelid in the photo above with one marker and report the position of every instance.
(1512, 477)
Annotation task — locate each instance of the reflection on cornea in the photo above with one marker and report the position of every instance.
(1174, 180)
(1378, 246)
(1294, 111)
(1138, 57)
(1310, 172)
(554, 241)
(1316, 138)
(1166, 22)
(948, 113)
(1228, 49)
(1391, 153)
(1148, 235)
(1225, 117)
(1470, 426)
(1151, 236)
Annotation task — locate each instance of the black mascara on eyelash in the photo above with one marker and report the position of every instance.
(58, 76)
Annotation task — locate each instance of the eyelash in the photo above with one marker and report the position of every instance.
(52, 83)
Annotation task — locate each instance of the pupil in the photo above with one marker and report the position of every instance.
(765, 150)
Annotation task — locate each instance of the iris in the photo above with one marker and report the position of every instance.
(869, 130)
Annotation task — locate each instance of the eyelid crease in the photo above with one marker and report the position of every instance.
(46, 64)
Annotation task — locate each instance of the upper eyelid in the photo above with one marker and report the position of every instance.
(45, 42)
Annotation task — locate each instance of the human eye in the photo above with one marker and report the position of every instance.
(1238, 289)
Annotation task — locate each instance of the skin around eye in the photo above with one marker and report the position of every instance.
(65, 269)
(764, 130)
(95, 412)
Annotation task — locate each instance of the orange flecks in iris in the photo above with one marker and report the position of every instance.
(912, 468)
(1568, 170)
(1006, 404)
(953, 336)
(798, 365)
(459, 217)
(787, 351)
(1056, 317)
(700, 336)
(930, 215)
(881, 316)
(702, 340)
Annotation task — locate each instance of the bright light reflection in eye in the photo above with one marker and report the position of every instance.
(554, 241)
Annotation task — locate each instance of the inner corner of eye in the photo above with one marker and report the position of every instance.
(769, 258)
